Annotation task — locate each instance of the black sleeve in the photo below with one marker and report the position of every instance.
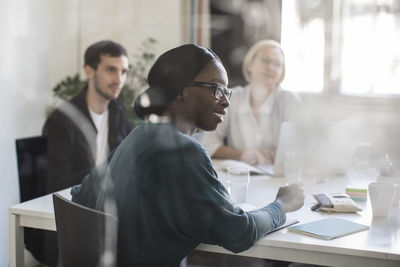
(119, 124)
(60, 133)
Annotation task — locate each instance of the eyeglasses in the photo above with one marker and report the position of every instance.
(219, 90)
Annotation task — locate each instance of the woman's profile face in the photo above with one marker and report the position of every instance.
(267, 67)
(203, 110)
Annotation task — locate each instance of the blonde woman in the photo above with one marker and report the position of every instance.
(250, 130)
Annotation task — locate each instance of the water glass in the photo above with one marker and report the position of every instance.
(238, 183)
(292, 167)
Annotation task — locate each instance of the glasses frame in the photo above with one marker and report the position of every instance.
(224, 91)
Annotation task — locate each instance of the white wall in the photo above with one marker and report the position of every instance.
(30, 64)
(43, 41)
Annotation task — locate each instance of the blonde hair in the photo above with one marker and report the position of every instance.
(251, 54)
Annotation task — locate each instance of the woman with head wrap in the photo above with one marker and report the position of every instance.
(167, 195)
(251, 127)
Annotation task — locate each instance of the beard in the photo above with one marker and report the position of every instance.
(101, 92)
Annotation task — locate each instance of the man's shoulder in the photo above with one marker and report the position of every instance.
(57, 121)
(57, 114)
(77, 102)
(117, 106)
(65, 108)
(66, 115)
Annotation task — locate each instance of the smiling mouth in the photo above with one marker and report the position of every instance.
(219, 115)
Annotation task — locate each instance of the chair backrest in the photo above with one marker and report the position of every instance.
(86, 237)
(32, 166)
(32, 171)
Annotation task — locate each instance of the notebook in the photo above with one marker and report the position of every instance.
(254, 170)
(289, 222)
(329, 228)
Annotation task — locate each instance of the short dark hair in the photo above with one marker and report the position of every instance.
(94, 52)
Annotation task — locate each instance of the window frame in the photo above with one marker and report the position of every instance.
(333, 34)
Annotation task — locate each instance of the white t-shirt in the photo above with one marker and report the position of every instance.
(241, 128)
(101, 123)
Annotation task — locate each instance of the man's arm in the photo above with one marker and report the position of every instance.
(59, 132)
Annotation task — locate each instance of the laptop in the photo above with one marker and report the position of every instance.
(334, 148)
(329, 148)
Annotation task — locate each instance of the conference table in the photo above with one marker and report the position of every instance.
(377, 246)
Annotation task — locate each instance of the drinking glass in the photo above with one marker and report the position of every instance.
(238, 183)
(292, 167)
(381, 196)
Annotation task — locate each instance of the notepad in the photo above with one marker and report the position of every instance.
(328, 228)
(254, 170)
(288, 223)
(357, 193)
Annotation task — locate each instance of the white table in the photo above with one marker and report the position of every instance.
(378, 246)
(36, 213)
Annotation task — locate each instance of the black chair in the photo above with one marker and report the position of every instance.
(32, 167)
(86, 237)
(32, 171)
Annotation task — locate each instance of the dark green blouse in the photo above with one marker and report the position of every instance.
(168, 199)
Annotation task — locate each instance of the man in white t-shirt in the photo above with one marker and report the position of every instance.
(81, 132)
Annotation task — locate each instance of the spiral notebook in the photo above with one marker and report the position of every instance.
(329, 228)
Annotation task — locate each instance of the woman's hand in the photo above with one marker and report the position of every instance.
(268, 156)
(251, 157)
(261, 157)
(290, 197)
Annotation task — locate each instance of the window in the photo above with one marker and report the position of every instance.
(346, 47)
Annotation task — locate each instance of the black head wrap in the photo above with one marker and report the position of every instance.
(169, 75)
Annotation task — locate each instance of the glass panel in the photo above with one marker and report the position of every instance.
(370, 52)
(365, 51)
(303, 45)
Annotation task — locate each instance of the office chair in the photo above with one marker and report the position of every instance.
(32, 172)
(32, 166)
(86, 237)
